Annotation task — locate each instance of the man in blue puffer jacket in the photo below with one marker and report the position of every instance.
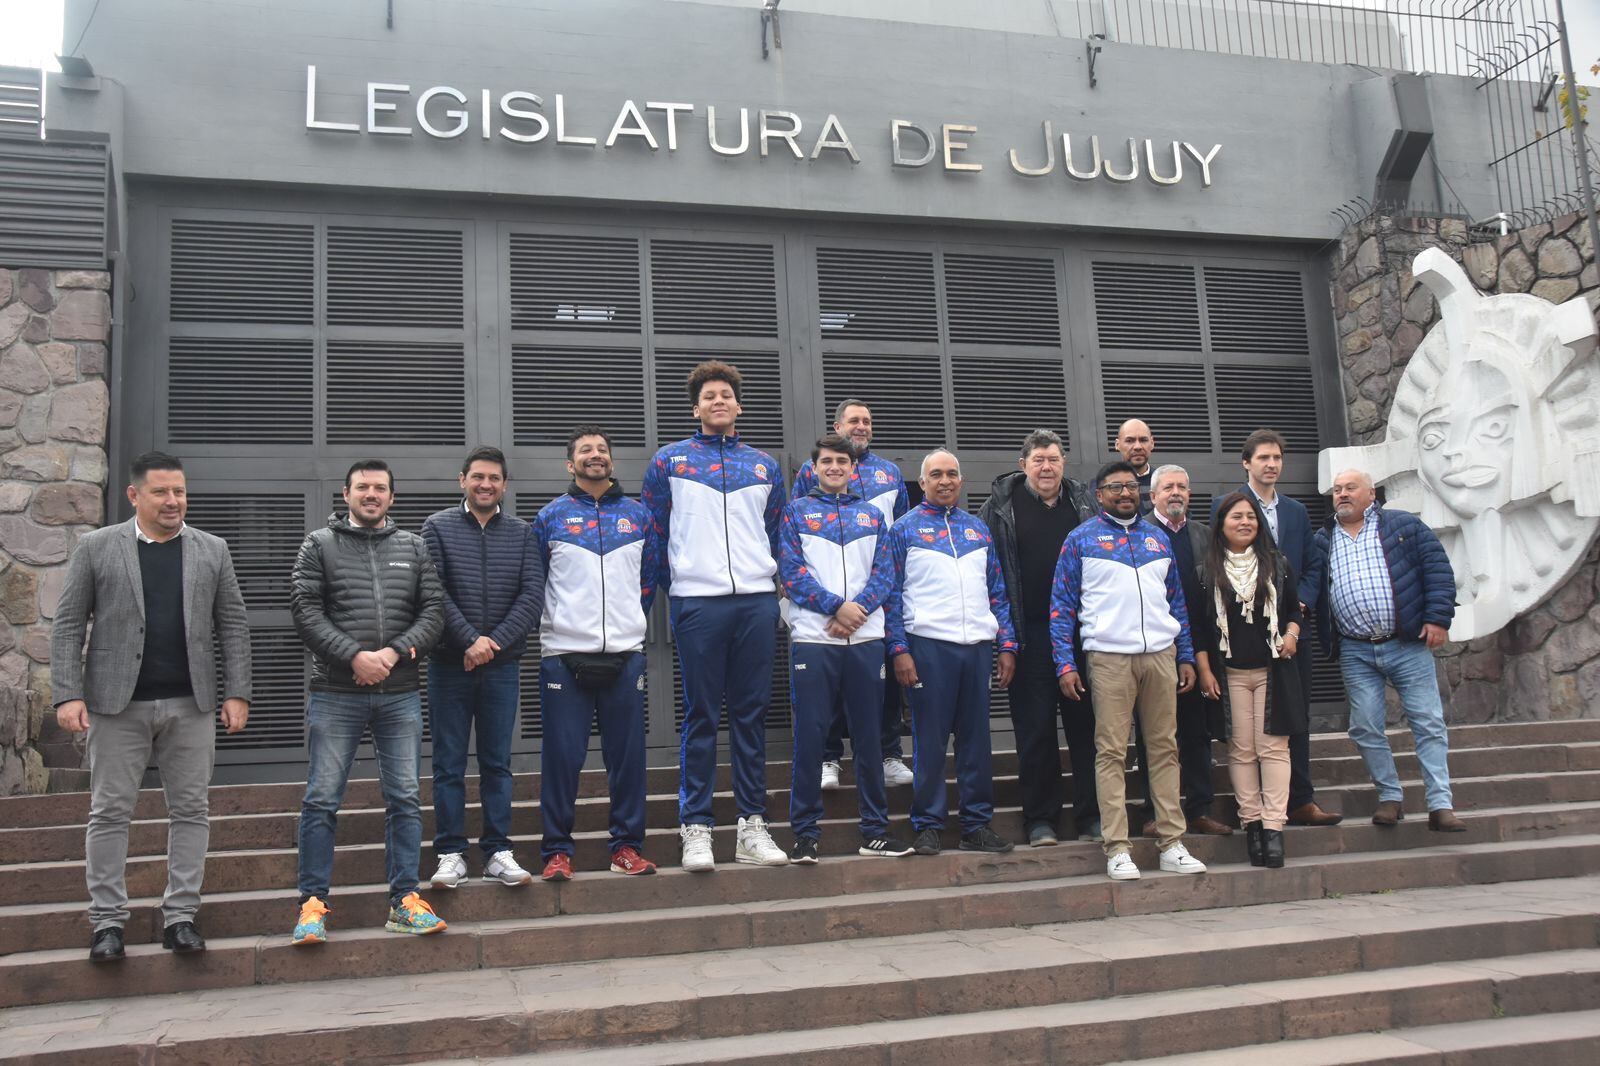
(1387, 603)
(493, 577)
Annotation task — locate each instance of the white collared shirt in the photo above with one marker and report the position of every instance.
(138, 532)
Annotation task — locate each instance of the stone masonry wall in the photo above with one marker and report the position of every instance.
(54, 328)
(1547, 663)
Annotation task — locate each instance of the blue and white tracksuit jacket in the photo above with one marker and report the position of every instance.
(600, 560)
(1120, 587)
(832, 549)
(875, 480)
(948, 584)
(715, 505)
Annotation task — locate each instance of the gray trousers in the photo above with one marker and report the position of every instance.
(183, 740)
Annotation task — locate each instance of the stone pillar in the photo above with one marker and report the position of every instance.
(1546, 664)
(54, 334)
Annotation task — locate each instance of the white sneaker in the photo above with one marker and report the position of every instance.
(830, 775)
(896, 772)
(1177, 860)
(755, 844)
(502, 866)
(1120, 867)
(697, 848)
(451, 872)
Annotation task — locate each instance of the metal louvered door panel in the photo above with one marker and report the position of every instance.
(54, 203)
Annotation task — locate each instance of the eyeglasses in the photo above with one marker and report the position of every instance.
(1121, 488)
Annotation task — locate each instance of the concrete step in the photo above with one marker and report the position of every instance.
(1285, 1019)
(72, 808)
(238, 870)
(1453, 943)
(843, 899)
(254, 831)
(263, 910)
(1567, 1039)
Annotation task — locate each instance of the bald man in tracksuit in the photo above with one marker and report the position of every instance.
(945, 616)
(715, 502)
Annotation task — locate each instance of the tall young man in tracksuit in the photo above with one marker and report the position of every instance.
(599, 552)
(833, 562)
(876, 481)
(715, 502)
(948, 610)
(493, 582)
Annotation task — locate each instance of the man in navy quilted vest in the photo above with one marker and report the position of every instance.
(715, 503)
(946, 615)
(493, 581)
(1388, 599)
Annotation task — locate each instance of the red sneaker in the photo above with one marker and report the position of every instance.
(626, 860)
(559, 868)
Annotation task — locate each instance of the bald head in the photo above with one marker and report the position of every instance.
(939, 457)
(1353, 492)
(941, 478)
(1134, 443)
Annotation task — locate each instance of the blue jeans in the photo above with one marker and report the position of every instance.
(1408, 666)
(460, 703)
(335, 723)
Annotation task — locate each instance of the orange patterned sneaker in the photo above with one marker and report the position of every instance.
(559, 868)
(312, 928)
(414, 916)
(627, 860)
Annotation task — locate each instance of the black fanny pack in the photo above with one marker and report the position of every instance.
(596, 672)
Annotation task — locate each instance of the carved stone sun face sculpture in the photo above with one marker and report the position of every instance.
(1494, 440)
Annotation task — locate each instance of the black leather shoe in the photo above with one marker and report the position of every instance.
(106, 945)
(182, 938)
(1255, 844)
(1272, 848)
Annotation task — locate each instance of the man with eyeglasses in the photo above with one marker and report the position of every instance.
(1117, 608)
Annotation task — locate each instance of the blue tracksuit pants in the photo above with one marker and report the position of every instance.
(888, 726)
(568, 712)
(825, 676)
(725, 650)
(951, 697)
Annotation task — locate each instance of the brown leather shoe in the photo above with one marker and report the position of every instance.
(1444, 820)
(1209, 826)
(1311, 814)
(1389, 812)
(1150, 829)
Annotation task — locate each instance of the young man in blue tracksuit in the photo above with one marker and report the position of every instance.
(945, 615)
(715, 502)
(493, 582)
(833, 562)
(599, 554)
(876, 481)
(1117, 606)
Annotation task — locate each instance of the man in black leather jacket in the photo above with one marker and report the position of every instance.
(367, 602)
(1030, 511)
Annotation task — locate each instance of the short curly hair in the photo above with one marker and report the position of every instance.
(714, 370)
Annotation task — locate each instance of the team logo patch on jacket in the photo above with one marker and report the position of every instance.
(624, 526)
(881, 477)
(864, 519)
(1151, 544)
(761, 471)
(973, 534)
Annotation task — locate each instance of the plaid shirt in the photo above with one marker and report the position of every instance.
(1362, 591)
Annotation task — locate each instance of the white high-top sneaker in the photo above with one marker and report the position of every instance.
(755, 845)
(697, 848)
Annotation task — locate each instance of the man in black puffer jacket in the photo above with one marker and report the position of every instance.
(367, 602)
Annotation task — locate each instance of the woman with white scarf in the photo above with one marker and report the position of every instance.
(1249, 620)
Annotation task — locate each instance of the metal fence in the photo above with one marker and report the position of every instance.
(1511, 48)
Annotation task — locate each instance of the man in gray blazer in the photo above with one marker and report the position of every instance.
(158, 591)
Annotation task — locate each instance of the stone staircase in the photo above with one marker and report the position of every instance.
(1372, 945)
